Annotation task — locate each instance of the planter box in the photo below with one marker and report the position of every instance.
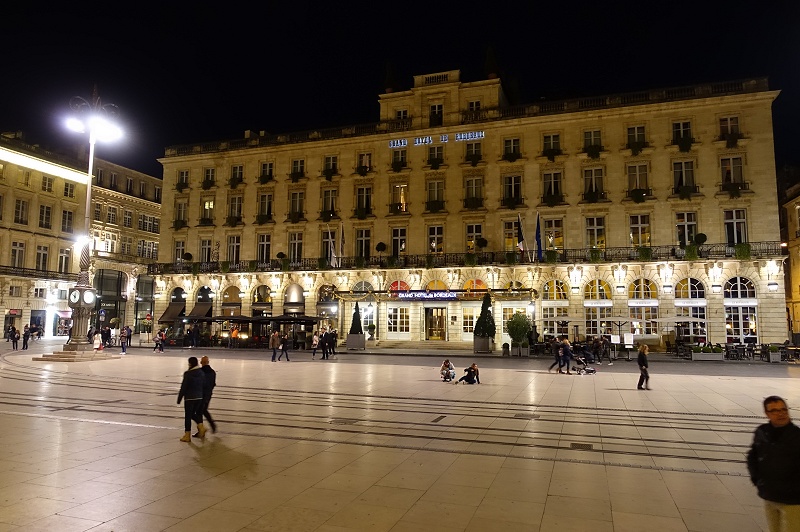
(481, 345)
(356, 341)
(775, 357)
(708, 356)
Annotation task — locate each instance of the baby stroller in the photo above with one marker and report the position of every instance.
(581, 368)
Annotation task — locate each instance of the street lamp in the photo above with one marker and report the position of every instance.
(93, 118)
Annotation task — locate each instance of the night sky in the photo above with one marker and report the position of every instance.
(189, 73)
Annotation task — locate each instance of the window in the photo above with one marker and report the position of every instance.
(683, 173)
(591, 138)
(474, 105)
(69, 190)
(1, 207)
(126, 245)
(147, 249)
(512, 188)
(735, 226)
(728, 125)
(265, 205)
(473, 150)
(207, 212)
(740, 321)
(510, 236)
(551, 142)
(47, 183)
(180, 249)
(15, 291)
(205, 250)
(100, 177)
(157, 193)
(553, 233)
(401, 114)
(592, 180)
(98, 212)
(511, 146)
(437, 115)
(731, 170)
(435, 190)
(299, 167)
(42, 257)
(329, 197)
(636, 135)
(127, 218)
(398, 320)
(109, 241)
(690, 288)
(18, 254)
(111, 215)
(67, 218)
(363, 243)
(681, 130)
(266, 170)
(26, 178)
(237, 172)
(181, 208)
(295, 246)
(399, 195)
(142, 189)
(637, 176)
(21, 212)
(685, 227)
(234, 247)
(739, 288)
(554, 291)
(398, 241)
(148, 223)
(364, 199)
(555, 321)
(597, 289)
(264, 248)
(40, 293)
(399, 157)
(297, 202)
(474, 232)
(128, 185)
(643, 320)
(64, 260)
(436, 239)
(596, 232)
(473, 188)
(508, 313)
(329, 245)
(365, 161)
(468, 317)
(640, 230)
(113, 180)
(552, 183)
(45, 217)
(435, 154)
(331, 163)
(235, 206)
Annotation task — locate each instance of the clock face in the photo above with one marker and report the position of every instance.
(88, 297)
(74, 296)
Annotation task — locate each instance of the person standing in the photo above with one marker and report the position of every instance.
(326, 337)
(774, 466)
(123, 340)
(274, 344)
(26, 335)
(644, 376)
(314, 344)
(332, 345)
(284, 347)
(192, 395)
(14, 339)
(209, 381)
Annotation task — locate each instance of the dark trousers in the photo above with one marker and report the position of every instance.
(644, 378)
(207, 415)
(557, 362)
(324, 351)
(192, 411)
(24, 342)
(284, 352)
(274, 353)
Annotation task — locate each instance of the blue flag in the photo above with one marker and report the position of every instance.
(539, 252)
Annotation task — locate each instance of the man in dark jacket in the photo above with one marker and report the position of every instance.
(192, 394)
(210, 380)
(774, 466)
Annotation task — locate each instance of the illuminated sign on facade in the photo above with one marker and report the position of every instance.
(424, 141)
(438, 295)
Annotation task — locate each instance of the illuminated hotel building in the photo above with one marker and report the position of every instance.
(416, 215)
(42, 213)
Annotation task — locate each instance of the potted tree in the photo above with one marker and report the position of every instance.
(356, 338)
(483, 334)
(380, 247)
(371, 329)
(519, 327)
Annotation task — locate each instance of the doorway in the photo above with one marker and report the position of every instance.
(436, 323)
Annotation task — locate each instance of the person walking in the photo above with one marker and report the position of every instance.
(274, 344)
(26, 335)
(774, 466)
(566, 355)
(284, 347)
(209, 381)
(644, 376)
(314, 344)
(555, 349)
(192, 395)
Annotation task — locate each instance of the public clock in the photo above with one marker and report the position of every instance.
(74, 296)
(88, 297)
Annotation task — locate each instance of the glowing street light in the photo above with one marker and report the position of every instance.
(93, 118)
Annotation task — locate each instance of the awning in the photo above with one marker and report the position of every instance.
(201, 309)
(66, 314)
(173, 311)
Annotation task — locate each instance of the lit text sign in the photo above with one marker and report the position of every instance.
(430, 139)
(438, 295)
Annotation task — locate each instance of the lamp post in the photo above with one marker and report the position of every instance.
(92, 118)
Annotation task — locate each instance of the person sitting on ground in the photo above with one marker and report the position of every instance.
(448, 371)
(472, 375)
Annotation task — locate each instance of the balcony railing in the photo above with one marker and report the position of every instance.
(512, 202)
(434, 205)
(594, 196)
(398, 208)
(38, 274)
(473, 203)
(757, 250)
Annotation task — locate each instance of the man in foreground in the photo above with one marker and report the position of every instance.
(209, 382)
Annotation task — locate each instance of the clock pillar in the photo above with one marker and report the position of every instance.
(82, 301)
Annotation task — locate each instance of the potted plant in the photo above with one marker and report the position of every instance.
(473, 158)
(196, 269)
(207, 184)
(397, 166)
(380, 247)
(146, 326)
(734, 190)
(179, 224)
(593, 151)
(296, 175)
(261, 219)
(506, 351)
(483, 334)
(551, 256)
(281, 256)
(362, 170)
(225, 266)
(637, 147)
(645, 253)
(371, 329)
(551, 200)
(774, 353)
(234, 182)
(595, 255)
(551, 153)
(511, 156)
(329, 173)
(355, 338)
(638, 195)
(742, 251)
(180, 186)
(264, 178)
(187, 257)
(470, 259)
(519, 327)
(685, 192)
(684, 143)
(435, 162)
(511, 257)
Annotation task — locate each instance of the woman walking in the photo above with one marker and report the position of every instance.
(192, 395)
(644, 376)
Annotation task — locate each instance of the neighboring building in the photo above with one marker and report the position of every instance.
(791, 228)
(618, 187)
(43, 212)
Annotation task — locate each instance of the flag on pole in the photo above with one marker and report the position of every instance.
(520, 236)
(333, 260)
(539, 251)
(341, 240)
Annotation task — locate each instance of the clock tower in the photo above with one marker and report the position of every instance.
(82, 300)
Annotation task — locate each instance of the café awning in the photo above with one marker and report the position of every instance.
(201, 310)
(173, 311)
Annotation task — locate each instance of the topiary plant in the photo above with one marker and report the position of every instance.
(485, 327)
(355, 327)
(519, 326)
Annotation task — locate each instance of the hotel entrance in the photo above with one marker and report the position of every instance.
(435, 323)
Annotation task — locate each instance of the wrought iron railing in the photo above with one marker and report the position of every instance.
(38, 274)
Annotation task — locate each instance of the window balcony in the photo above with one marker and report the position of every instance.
(473, 203)
(593, 196)
(734, 189)
(362, 212)
(207, 184)
(399, 166)
(435, 162)
(206, 221)
(511, 156)
(551, 200)
(436, 120)
(294, 216)
(551, 153)
(512, 202)
(179, 224)
(473, 158)
(639, 195)
(296, 175)
(327, 215)
(235, 182)
(363, 170)
(433, 206)
(685, 191)
(398, 208)
(265, 177)
(262, 219)
(328, 173)
(233, 221)
(180, 186)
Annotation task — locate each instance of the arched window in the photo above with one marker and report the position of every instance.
(554, 290)
(398, 286)
(436, 284)
(690, 288)
(741, 324)
(597, 289)
(363, 286)
(475, 284)
(740, 287)
(642, 289)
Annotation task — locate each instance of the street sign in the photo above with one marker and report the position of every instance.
(102, 312)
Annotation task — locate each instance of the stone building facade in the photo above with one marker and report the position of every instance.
(581, 213)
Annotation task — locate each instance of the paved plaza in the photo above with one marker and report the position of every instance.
(376, 442)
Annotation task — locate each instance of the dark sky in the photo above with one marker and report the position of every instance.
(186, 73)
